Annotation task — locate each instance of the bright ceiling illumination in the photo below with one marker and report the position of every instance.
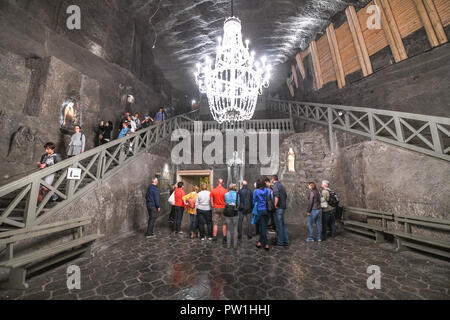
(234, 82)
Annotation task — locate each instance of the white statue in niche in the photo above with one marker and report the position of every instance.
(291, 160)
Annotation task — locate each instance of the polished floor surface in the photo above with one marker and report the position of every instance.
(176, 267)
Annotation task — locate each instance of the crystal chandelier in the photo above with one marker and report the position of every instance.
(234, 83)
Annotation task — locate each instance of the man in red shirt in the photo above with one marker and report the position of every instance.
(218, 205)
(179, 207)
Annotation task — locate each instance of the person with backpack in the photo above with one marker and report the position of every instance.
(189, 201)
(262, 198)
(329, 202)
(280, 197)
(245, 210)
(77, 143)
(232, 215)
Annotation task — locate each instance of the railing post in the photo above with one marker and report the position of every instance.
(30, 208)
(147, 140)
(399, 129)
(330, 129)
(101, 164)
(347, 120)
(437, 143)
(371, 125)
(71, 184)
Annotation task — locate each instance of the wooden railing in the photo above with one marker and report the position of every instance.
(285, 126)
(19, 206)
(426, 134)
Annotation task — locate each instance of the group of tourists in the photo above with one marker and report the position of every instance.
(229, 208)
(131, 124)
(77, 144)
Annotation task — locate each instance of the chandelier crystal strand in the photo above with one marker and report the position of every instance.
(234, 83)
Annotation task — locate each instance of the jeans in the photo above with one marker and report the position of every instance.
(282, 236)
(232, 231)
(263, 220)
(247, 216)
(178, 218)
(172, 214)
(328, 223)
(205, 217)
(314, 218)
(152, 215)
(193, 223)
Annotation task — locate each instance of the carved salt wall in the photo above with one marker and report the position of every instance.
(43, 65)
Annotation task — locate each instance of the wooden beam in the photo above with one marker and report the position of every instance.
(300, 64)
(391, 30)
(294, 72)
(336, 55)
(316, 65)
(432, 37)
(358, 41)
(291, 87)
(436, 21)
(362, 41)
(305, 53)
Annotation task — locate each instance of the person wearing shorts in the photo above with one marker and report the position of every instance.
(218, 205)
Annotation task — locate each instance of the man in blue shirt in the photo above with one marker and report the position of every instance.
(280, 196)
(153, 208)
(160, 116)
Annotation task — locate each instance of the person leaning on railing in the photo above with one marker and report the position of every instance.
(160, 116)
(125, 130)
(147, 122)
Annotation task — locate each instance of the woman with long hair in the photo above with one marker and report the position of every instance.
(260, 200)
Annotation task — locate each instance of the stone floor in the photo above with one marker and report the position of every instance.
(175, 267)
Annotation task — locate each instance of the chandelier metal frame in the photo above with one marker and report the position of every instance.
(236, 80)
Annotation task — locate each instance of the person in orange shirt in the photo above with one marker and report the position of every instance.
(189, 201)
(179, 207)
(218, 205)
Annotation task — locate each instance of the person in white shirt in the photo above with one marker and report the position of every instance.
(132, 123)
(204, 212)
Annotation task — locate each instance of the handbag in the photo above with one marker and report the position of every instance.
(269, 204)
(171, 199)
(231, 209)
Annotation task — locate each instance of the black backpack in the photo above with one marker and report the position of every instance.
(333, 201)
(270, 205)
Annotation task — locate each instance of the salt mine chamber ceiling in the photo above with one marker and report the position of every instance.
(187, 30)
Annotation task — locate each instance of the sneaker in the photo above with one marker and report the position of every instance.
(203, 239)
(319, 240)
(210, 239)
(149, 236)
(310, 240)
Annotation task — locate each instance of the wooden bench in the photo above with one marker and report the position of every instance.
(365, 228)
(406, 239)
(42, 258)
